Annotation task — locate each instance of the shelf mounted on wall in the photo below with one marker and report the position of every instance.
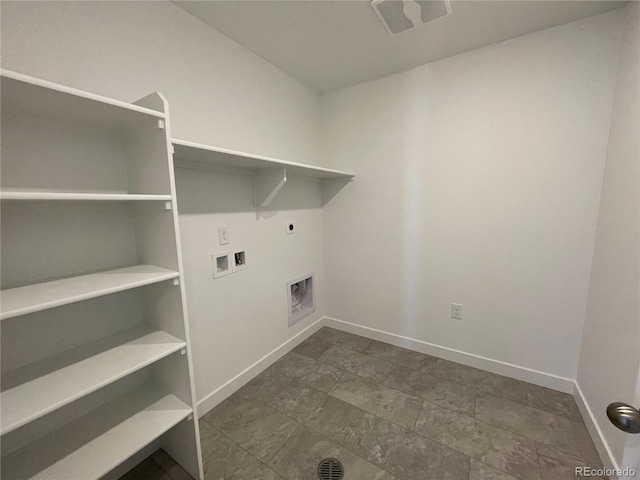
(269, 174)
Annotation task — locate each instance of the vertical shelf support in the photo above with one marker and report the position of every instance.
(267, 182)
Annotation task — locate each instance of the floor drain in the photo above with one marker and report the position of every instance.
(330, 469)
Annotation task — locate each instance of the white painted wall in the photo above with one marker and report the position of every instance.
(478, 182)
(221, 94)
(610, 355)
(239, 318)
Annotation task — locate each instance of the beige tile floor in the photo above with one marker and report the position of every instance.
(386, 413)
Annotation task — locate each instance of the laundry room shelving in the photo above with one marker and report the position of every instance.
(96, 362)
(269, 174)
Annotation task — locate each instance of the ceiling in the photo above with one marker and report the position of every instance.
(331, 44)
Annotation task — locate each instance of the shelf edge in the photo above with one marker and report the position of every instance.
(274, 161)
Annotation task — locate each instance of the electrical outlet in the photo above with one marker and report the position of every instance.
(223, 235)
(291, 228)
(456, 311)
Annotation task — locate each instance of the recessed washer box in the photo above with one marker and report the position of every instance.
(300, 298)
(239, 260)
(221, 264)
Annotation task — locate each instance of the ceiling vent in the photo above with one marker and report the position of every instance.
(402, 15)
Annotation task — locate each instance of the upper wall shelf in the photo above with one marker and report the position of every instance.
(269, 174)
(198, 152)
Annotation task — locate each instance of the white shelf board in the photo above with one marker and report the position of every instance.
(39, 388)
(97, 442)
(77, 196)
(41, 296)
(23, 93)
(207, 154)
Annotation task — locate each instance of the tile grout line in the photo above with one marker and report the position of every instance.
(282, 446)
(535, 445)
(415, 424)
(498, 469)
(586, 461)
(244, 449)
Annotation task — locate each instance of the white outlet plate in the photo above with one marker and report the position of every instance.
(223, 235)
(291, 228)
(456, 311)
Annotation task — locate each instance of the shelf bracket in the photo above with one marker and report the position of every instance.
(175, 282)
(267, 182)
(331, 187)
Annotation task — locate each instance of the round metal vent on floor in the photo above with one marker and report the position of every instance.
(330, 469)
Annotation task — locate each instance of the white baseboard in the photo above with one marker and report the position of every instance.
(597, 436)
(226, 390)
(562, 384)
(521, 373)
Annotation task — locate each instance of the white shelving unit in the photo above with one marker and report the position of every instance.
(95, 353)
(269, 174)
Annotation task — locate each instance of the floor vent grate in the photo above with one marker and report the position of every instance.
(330, 469)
